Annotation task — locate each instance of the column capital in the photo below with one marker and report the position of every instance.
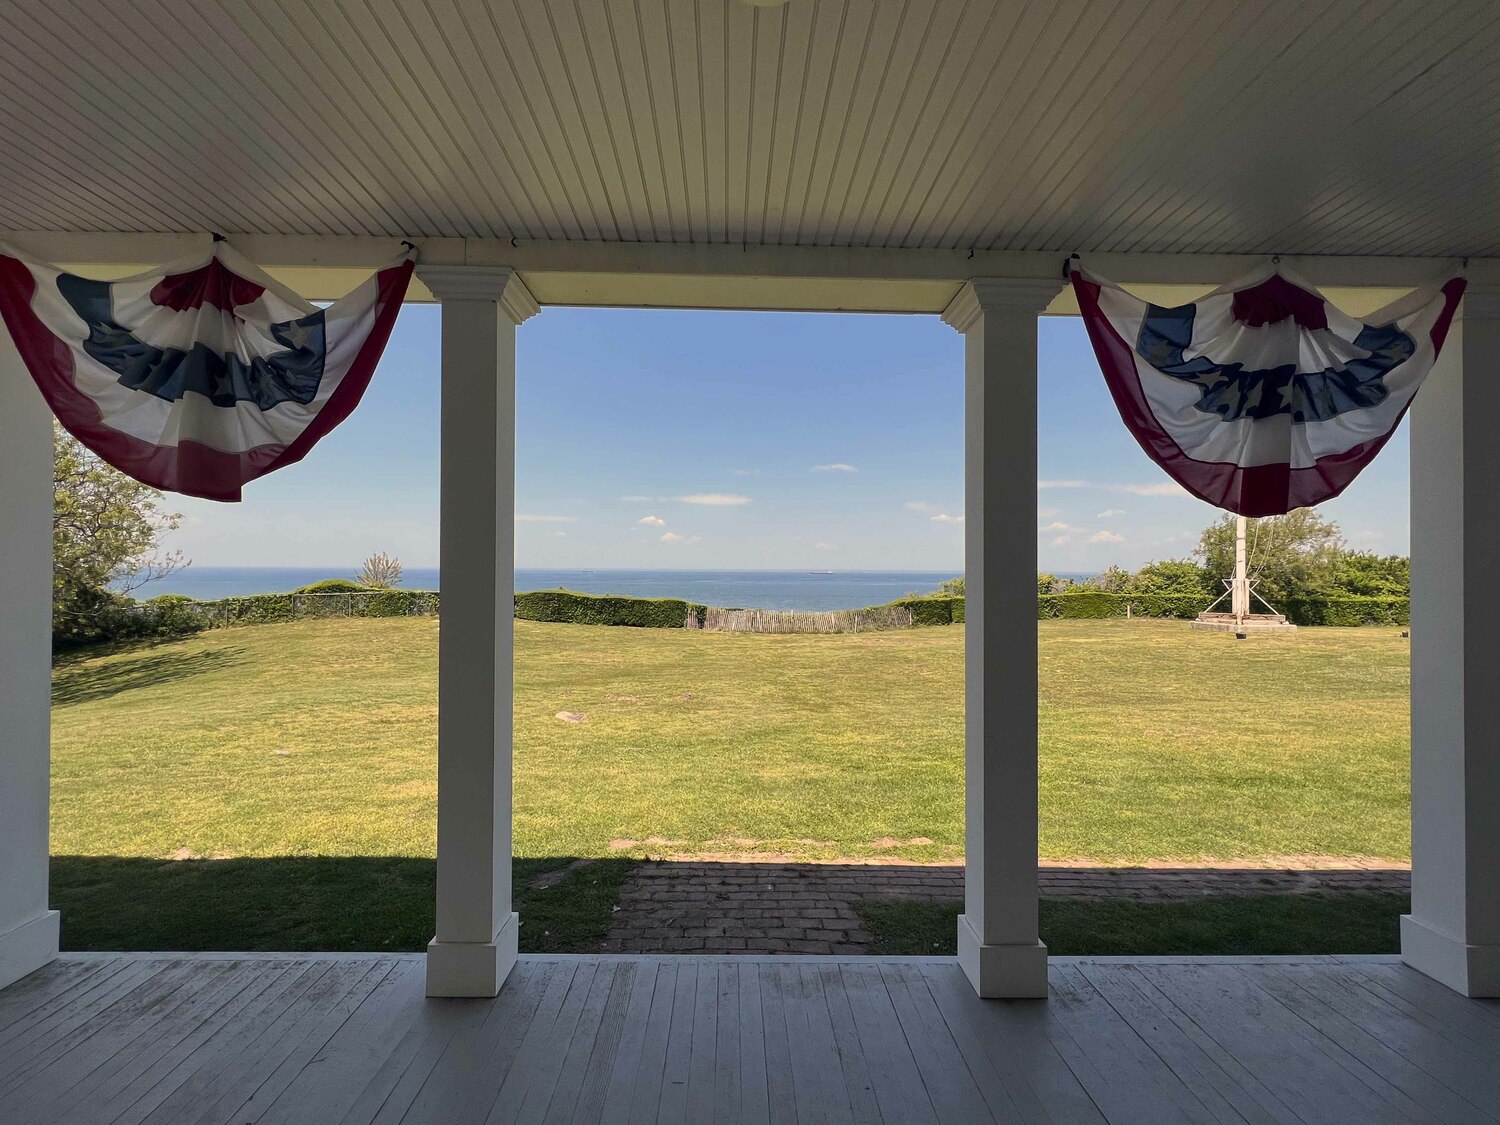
(999, 294)
(481, 283)
(1481, 301)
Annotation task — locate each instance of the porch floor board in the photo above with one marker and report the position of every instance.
(339, 1039)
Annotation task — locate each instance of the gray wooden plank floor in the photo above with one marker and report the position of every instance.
(96, 1039)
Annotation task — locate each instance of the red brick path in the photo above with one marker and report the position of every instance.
(672, 907)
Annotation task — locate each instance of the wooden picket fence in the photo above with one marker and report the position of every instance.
(802, 621)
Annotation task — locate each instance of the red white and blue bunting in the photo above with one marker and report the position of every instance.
(200, 376)
(1262, 397)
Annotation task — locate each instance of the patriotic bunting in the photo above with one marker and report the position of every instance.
(199, 376)
(1262, 397)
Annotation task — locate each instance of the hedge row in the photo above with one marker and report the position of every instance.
(1094, 605)
(175, 615)
(1350, 609)
(935, 610)
(593, 609)
(1333, 610)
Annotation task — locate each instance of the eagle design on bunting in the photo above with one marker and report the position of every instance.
(201, 376)
(1262, 396)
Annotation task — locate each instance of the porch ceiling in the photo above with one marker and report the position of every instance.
(1149, 126)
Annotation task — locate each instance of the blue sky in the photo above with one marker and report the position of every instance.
(674, 439)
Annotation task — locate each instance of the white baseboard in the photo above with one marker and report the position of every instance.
(1470, 970)
(28, 947)
(463, 968)
(1002, 972)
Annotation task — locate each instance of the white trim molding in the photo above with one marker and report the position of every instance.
(481, 283)
(1453, 931)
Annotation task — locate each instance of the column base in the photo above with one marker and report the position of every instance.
(472, 968)
(1470, 970)
(1002, 972)
(28, 947)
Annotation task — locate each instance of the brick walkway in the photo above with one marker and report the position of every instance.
(675, 907)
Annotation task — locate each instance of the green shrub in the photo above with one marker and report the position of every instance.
(329, 586)
(254, 609)
(173, 615)
(608, 609)
(1181, 606)
(932, 610)
(1348, 610)
(1090, 605)
(1096, 605)
(396, 603)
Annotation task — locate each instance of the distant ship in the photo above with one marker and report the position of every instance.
(820, 572)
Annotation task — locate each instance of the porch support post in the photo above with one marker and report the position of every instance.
(1453, 931)
(998, 945)
(475, 945)
(28, 929)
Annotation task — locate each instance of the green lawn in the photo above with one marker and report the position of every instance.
(318, 738)
(1259, 925)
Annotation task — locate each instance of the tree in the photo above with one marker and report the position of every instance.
(1295, 554)
(1050, 583)
(106, 541)
(381, 572)
(1111, 580)
(1172, 576)
(1366, 574)
(951, 588)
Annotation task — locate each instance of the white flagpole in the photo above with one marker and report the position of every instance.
(1240, 592)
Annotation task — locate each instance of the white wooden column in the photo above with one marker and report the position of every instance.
(998, 945)
(1453, 930)
(28, 929)
(475, 945)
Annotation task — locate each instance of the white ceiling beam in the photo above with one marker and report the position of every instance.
(719, 276)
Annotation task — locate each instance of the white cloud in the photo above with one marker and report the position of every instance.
(1062, 541)
(1106, 537)
(1157, 488)
(944, 517)
(836, 467)
(714, 499)
(919, 505)
(652, 521)
(671, 537)
(546, 519)
(1058, 526)
(747, 472)
(1110, 513)
(560, 534)
(824, 547)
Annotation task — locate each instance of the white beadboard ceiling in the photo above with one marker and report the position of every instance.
(1202, 126)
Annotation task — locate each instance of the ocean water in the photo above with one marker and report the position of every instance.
(747, 589)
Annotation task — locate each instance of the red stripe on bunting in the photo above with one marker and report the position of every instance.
(1254, 490)
(214, 284)
(391, 285)
(191, 468)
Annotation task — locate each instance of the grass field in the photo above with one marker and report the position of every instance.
(318, 739)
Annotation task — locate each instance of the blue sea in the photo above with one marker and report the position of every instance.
(748, 589)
